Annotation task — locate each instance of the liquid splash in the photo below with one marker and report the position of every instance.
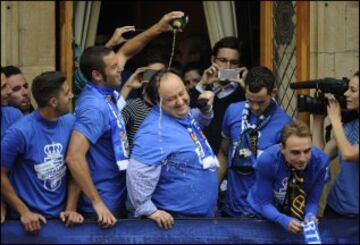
(160, 130)
(172, 50)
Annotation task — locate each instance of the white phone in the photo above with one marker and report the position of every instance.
(228, 74)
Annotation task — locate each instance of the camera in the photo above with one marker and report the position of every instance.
(201, 103)
(147, 74)
(180, 23)
(228, 74)
(318, 103)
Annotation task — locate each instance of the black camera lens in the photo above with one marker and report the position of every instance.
(310, 104)
(201, 103)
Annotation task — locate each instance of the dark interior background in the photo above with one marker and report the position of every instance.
(144, 14)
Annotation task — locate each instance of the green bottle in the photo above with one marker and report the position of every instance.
(180, 23)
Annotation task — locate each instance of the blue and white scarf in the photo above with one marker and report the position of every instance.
(245, 151)
(202, 148)
(118, 133)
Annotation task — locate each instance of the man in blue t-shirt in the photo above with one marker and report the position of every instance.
(290, 178)
(248, 129)
(33, 172)
(172, 170)
(8, 116)
(98, 151)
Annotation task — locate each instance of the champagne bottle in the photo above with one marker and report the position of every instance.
(180, 23)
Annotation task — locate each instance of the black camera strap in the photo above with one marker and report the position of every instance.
(253, 135)
(242, 161)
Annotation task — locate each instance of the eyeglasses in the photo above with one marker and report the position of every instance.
(225, 61)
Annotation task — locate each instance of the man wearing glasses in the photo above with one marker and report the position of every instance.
(225, 78)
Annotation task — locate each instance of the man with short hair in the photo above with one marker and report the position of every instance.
(9, 115)
(249, 128)
(290, 178)
(226, 55)
(172, 170)
(138, 108)
(98, 151)
(20, 96)
(34, 178)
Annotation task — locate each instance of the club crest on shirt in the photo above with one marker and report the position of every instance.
(53, 169)
(280, 195)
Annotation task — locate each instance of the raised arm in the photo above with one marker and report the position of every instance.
(318, 136)
(204, 113)
(117, 37)
(348, 151)
(318, 130)
(136, 44)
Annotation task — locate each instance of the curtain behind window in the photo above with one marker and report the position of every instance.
(220, 19)
(86, 17)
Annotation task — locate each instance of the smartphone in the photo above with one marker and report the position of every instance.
(201, 103)
(148, 74)
(228, 74)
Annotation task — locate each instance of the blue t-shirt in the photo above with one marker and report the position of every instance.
(8, 116)
(238, 185)
(93, 121)
(34, 150)
(184, 187)
(269, 189)
(344, 195)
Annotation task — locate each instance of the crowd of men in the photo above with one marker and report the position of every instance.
(163, 143)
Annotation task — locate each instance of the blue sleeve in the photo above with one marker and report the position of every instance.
(225, 129)
(203, 120)
(263, 193)
(12, 145)
(149, 148)
(16, 115)
(91, 122)
(322, 177)
(141, 182)
(9, 115)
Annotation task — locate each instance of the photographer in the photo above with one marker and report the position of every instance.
(343, 199)
(226, 56)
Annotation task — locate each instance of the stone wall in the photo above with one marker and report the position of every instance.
(334, 38)
(28, 36)
(334, 51)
